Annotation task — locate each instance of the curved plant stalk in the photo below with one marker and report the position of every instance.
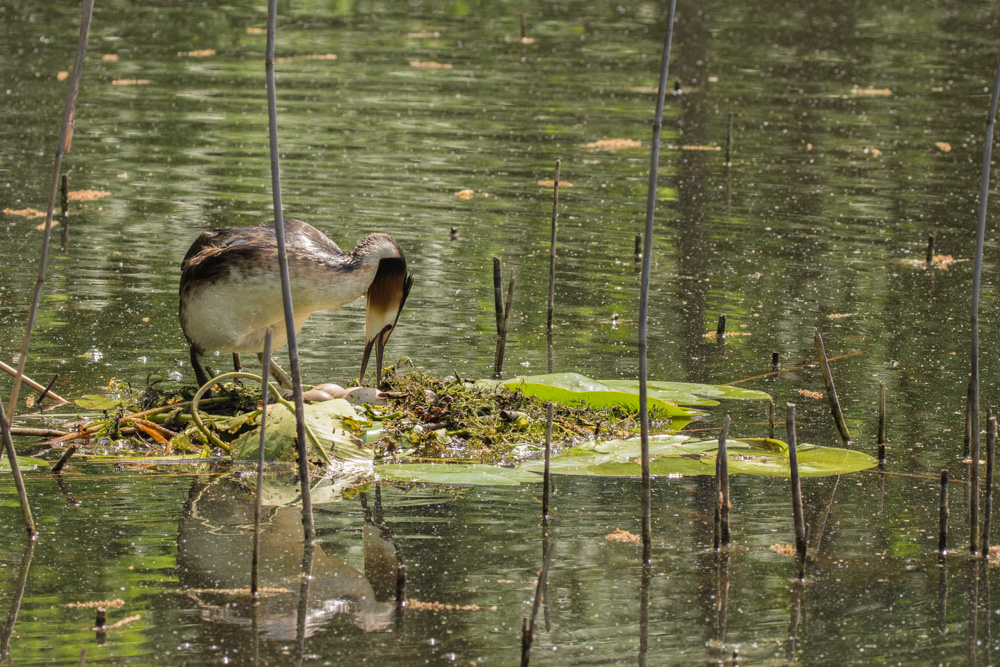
(214, 439)
(65, 139)
(647, 250)
(286, 290)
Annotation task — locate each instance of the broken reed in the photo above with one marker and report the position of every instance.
(930, 251)
(503, 315)
(722, 504)
(647, 251)
(797, 512)
(824, 364)
(286, 292)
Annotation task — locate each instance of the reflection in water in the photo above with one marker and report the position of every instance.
(7, 629)
(797, 606)
(214, 539)
(973, 612)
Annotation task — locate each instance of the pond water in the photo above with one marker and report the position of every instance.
(858, 131)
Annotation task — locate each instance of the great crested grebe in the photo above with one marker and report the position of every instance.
(230, 289)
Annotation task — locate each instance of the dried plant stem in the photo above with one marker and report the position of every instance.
(502, 339)
(729, 142)
(831, 391)
(647, 251)
(286, 292)
(498, 292)
(31, 383)
(770, 419)
(65, 140)
(984, 191)
(22, 496)
(722, 505)
(797, 512)
(930, 251)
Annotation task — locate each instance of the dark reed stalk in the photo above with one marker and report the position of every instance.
(967, 442)
(64, 196)
(31, 383)
(101, 620)
(930, 251)
(65, 140)
(528, 626)
(15, 469)
(770, 419)
(546, 478)
(943, 515)
(302, 610)
(974, 497)
(991, 443)
(258, 496)
(83, 657)
(729, 142)
(400, 586)
(552, 249)
(524, 28)
(498, 292)
(45, 392)
(775, 362)
(638, 248)
(61, 463)
(723, 455)
(831, 391)
(286, 291)
(797, 513)
(984, 191)
(720, 328)
(502, 340)
(647, 251)
(881, 425)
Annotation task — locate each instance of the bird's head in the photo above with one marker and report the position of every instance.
(386, 296)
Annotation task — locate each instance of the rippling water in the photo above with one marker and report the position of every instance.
(858, 131)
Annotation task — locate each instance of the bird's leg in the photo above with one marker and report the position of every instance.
(199, 370)
(284, 380)
(237, 364)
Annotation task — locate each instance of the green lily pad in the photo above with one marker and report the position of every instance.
(326, 420)
(676, 455)
(100, 402)
(23, 462)
(571, 388)
(458, 474)
(691, 394)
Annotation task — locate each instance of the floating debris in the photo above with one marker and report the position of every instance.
(784, 549)
(110, 57)
(131, 82)
(25, 212)
(614, 144)
(87, 195)
(943, 146)
(465, 194)
(113, 604)
(321, 56)
(201, 53)
(552, 184)
(811, 394)
(622, 536)
(62, 75)
(441, 606)
(429, 64)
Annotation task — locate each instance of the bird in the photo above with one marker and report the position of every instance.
(230, 288)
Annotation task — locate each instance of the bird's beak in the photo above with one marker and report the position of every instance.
(378, 343)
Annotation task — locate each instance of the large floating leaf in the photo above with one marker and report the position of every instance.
(459, 474)
(100, 402)
(691, 394)
(23, 462)
(571, 388)
(327, 421)
(676, 455)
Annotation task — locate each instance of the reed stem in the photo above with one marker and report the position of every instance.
(258, 495)
(977, 274)
(881, 425)
(797, 511)
(498, 292)
(65, 140)
(991, 442)
(286, 292)
(647, 251)
(943, 515)
(552, 249)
